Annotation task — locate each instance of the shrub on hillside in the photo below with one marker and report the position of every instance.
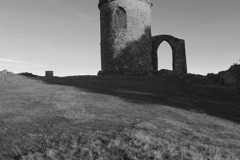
(27, 74)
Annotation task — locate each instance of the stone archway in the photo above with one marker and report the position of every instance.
(178, 52)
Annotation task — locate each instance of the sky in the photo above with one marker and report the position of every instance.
(64, 35)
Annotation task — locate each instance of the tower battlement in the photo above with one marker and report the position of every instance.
(102, 2)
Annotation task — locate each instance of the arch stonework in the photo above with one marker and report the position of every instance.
(178, 52)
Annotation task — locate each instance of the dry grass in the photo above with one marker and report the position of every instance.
(77, 115)
(112, 119)
(130, 144)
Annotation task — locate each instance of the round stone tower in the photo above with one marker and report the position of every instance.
(126, 40)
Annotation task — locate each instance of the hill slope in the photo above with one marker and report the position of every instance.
(88, 117)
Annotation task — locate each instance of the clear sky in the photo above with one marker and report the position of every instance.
(64, 35)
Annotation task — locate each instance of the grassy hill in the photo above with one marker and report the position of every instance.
(122, 118)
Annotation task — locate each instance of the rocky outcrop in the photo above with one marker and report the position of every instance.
(231, 77)
(6, 72)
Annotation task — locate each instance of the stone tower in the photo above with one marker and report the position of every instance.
(126, 40)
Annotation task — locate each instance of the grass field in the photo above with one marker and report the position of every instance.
(122, 118)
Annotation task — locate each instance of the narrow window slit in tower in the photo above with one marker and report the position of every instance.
(119, 19)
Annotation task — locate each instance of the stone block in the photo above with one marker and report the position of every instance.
(49, 74)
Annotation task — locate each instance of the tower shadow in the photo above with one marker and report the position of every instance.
(170, 91)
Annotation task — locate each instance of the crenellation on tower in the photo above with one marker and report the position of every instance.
(102, 2)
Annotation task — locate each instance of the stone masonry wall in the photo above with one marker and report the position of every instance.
(126, 51)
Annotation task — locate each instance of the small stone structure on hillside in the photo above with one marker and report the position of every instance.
(48, 73)
(127, 45)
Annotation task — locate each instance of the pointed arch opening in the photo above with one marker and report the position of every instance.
(119, 18)
(179, 62)
(164, 54)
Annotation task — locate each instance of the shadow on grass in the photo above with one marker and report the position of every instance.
(211, 100)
